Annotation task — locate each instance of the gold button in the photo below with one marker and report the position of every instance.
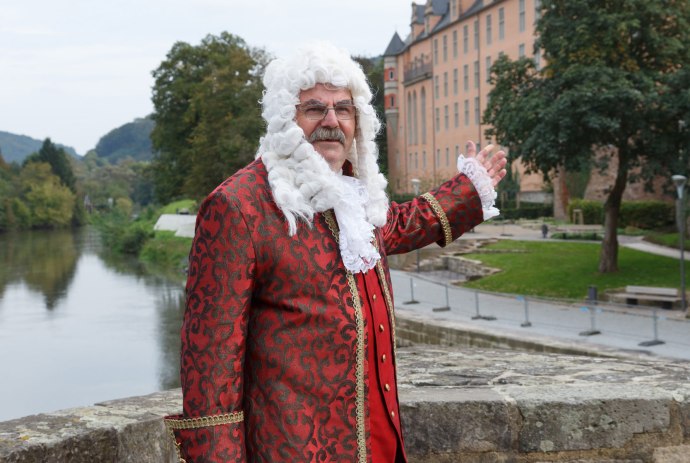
(393, 414)
(387, 387)
(381, 328)
(374, 296)
(383, 358)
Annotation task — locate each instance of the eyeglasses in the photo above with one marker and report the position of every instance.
(317, 112)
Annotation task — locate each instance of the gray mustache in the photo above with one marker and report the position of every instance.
(325, 133)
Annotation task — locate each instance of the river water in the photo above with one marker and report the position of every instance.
(78, 327)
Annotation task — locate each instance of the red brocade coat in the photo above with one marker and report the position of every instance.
(274, 360)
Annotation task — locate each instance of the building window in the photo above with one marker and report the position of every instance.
(445, 84)
(456, 114)
(445, 118)
(467, 112)
(466, 77)
(476, 74)
(423, 159)
(521, 9)
(488, 68)
(476, 34)
(445, 48)
(537, 10)
(416, 161)
(452, 9)
(455, 81)
(455, 43)
(438, 156)
(391, 75)
(457, 151)
(465, 38)
(423, 115)
(521, 50)
(476, 110)
(447, 156)
(435, 51)
(414, 118)
(501, 24)
(438, 119)
(436, 92)
(488, 29)
(537, 61)
(409, 118)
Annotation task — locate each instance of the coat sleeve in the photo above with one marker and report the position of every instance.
(440, 216)
(219, 288)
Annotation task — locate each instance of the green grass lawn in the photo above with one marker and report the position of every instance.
(566, 270)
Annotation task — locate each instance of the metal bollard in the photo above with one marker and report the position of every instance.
(478, 316)
(445, 307)
(412, 299)
(593, 322)
(526, 323)
(656, 341)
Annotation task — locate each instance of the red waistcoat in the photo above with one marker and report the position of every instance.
(275, 351)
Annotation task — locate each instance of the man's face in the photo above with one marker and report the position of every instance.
(333, 134)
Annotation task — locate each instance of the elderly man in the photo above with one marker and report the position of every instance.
(288, 341)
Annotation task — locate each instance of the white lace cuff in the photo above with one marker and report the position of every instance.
(482, 183)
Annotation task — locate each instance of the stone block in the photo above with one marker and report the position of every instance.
(452, 421)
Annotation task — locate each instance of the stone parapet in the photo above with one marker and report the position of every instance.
(468, 405)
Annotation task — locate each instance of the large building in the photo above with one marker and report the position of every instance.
(436, 84)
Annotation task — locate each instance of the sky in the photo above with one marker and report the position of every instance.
(75, 70)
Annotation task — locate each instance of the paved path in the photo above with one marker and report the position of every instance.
(621, 327)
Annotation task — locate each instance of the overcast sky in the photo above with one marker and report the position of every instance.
(74, 70)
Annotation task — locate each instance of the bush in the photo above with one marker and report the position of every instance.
(646, 215)
(530, 211)
(592, 211)
(134, 237)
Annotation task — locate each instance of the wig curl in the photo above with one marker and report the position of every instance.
(299, 177)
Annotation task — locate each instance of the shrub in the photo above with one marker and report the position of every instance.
(646, 215)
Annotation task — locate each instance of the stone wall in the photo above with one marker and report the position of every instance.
(468, 405)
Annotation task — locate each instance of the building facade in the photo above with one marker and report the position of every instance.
(436, 85)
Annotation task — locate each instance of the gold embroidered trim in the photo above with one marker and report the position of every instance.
(192, 423)
(359, 373)
(389, 303)
(204, 421)
(438, 210)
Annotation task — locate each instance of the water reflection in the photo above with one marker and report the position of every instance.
(44, 260)
(110, 329)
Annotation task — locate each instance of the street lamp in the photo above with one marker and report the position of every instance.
(415, 187)
(679, 181)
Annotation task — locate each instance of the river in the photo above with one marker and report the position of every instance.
(78, 327)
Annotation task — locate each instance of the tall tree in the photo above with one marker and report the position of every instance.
(603, 94)
(207, 114)
(58, 160)
(373, 68)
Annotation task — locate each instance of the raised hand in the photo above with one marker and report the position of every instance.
(494, 164)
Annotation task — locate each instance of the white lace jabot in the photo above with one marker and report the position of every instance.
(482, 183)
(356, 233)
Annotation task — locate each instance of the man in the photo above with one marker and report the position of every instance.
(288, 335)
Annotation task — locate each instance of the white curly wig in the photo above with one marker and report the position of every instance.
(301, 181)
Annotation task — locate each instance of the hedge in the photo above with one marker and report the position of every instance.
(647, 215)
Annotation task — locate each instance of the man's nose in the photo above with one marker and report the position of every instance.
(330, 120)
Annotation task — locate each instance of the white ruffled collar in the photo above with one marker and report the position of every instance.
(356, 233)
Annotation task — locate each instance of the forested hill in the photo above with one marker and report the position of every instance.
(16, 148)
(131, 140)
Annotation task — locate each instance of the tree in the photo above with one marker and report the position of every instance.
(373, 68)
(207, 114)
(50, 203)
(59, 163)
(604, 94)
